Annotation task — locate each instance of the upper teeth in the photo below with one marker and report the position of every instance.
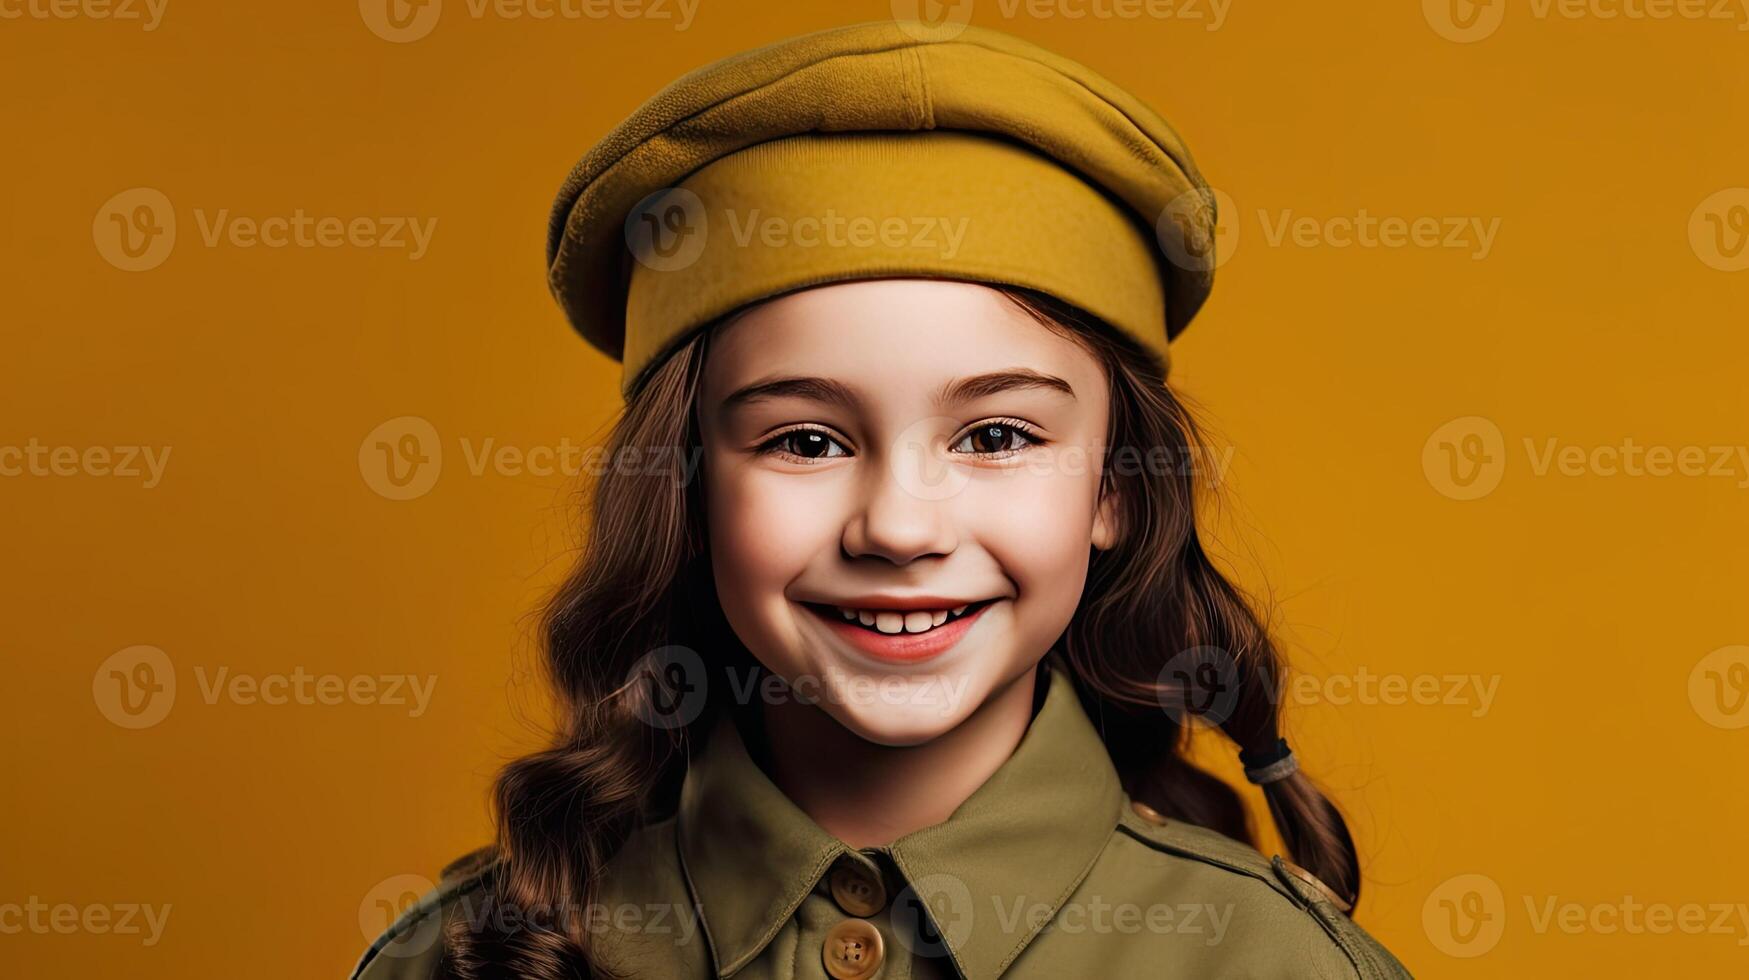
(893, 621)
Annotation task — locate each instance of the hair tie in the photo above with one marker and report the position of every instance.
(1271, 764)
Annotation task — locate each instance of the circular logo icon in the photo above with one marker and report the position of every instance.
(932, 915)
(1465, 915)
(666, 231)
(401, 458)
(1201, 684)
(668, 687)
(1718, 230)
(1464, 21)
(921, 462)
(400, 21)
(1192, 232)
(384, 905)
(1465, 458)
(135, 687)
(135, 230)
(1718, 687)
(932, 20)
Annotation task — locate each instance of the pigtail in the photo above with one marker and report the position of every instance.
(1311, 828)
(1225, 634)
(1316, 836)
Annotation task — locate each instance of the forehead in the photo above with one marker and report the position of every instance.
(891, 339)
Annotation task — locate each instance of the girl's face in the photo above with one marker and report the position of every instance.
(902, 478)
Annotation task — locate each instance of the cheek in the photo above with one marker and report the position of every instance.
(1039, 529)
(764, 530)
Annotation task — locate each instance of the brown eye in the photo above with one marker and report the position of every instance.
(993, 439)
(811, 445)
(807, 444)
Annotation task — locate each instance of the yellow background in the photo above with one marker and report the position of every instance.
(1589, 597)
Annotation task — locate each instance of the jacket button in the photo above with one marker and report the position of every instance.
(853, 950)
(1148, 813)
(856, 888)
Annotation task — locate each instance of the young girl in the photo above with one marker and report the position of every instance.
(893, 618)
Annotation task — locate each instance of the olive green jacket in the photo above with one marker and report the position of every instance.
(1047, 871)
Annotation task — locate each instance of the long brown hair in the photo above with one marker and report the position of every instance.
(1160, 636)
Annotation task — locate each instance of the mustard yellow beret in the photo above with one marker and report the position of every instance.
(879, 150)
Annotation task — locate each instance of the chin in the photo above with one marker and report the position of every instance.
(902, 709)
(895, 726)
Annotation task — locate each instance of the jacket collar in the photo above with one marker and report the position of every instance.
(1019, 844)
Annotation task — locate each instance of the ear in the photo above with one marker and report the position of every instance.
(1107, 521)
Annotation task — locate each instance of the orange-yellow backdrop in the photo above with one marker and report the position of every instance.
(1523, 635)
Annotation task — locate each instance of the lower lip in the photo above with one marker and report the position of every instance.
(902, 648)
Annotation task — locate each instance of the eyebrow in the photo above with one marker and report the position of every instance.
(996, 382)
(954, 392)
(813, 389)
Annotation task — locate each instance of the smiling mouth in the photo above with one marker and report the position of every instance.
(896, 622)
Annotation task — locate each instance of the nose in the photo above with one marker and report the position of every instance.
(895, 523)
